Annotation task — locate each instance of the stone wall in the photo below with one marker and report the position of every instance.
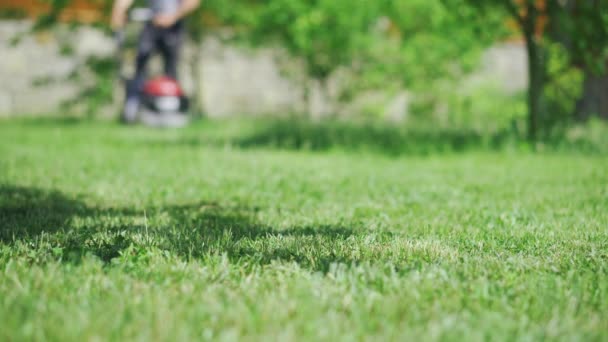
(243, 82)
(33, 59)
(235, 81)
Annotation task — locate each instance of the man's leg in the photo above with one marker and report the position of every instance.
(170, 48)
(145, 48)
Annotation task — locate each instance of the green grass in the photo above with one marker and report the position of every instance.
(117, 233)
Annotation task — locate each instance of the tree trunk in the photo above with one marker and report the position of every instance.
(594, 100)
(536, 73)
(318, 99)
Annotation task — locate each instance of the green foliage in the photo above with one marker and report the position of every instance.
(97, 79)
(325, 33)
(426, 41)
(582, 27)
(586, 136)
(12, 13)
(113, 233)
(484, 109)
(564, 88)
(420, 41)
(51, 18)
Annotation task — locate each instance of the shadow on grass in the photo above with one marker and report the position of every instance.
(393, 140)
(46, 225)
(51, 121)
(302, 134)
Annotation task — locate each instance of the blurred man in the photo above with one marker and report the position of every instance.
(164, 33)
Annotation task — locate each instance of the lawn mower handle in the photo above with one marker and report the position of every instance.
(138, 15)
(141, 15)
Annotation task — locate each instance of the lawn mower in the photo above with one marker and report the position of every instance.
(161, 101)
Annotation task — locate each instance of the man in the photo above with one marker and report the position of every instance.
(164, 33)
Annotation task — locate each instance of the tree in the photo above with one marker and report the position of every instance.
(529, 14)
(427, 41)
(581, 25)
(384, 43)
(323, 34)
(582, 28)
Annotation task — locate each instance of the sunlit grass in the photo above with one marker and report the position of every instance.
(109, 232)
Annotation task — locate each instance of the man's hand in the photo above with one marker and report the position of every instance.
(165, 20)
(119, 13)
(168, 20)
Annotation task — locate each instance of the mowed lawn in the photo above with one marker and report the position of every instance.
(118, 233)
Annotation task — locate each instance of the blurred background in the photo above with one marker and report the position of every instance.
(489, 71)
